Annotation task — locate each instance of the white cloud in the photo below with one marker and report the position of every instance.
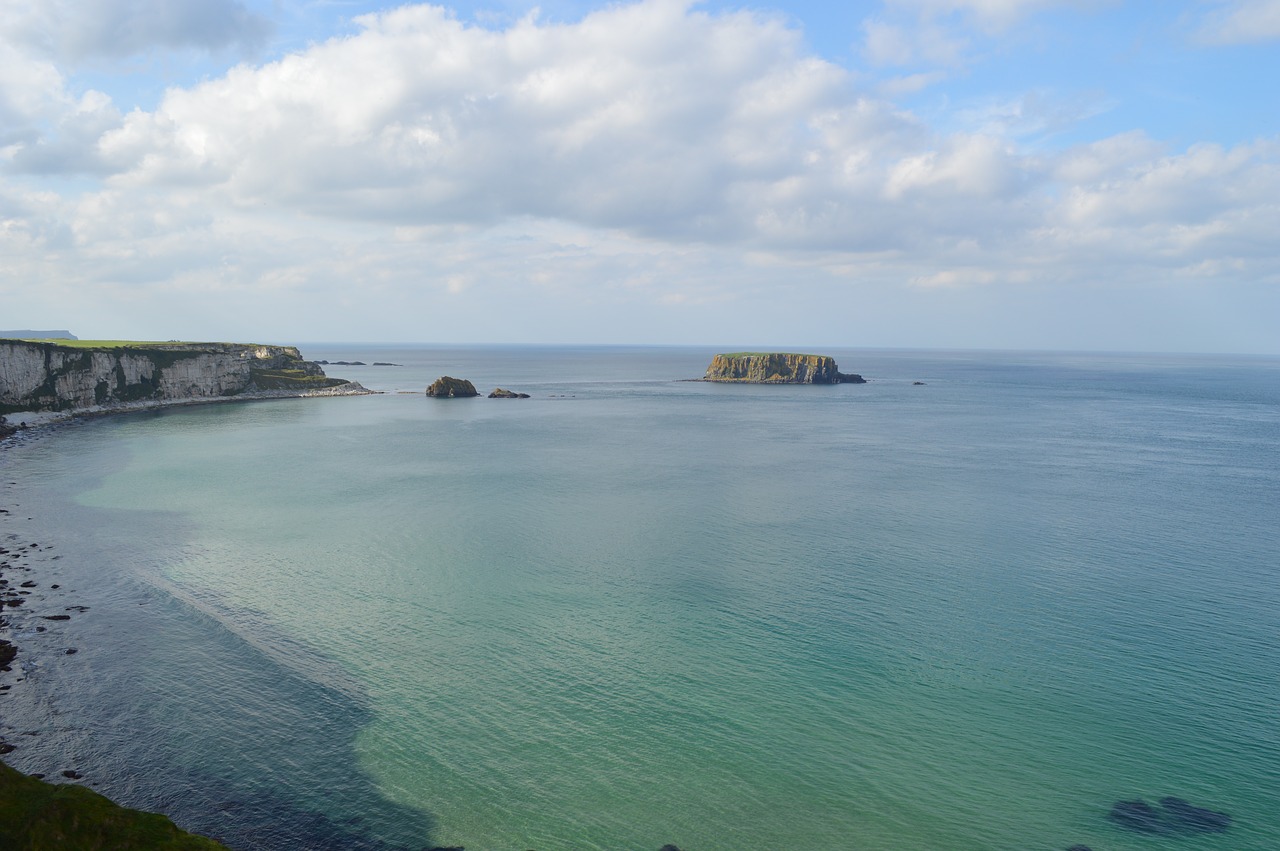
(1241, 22)
(649, 159)
(1107, 159)
(74, 30)
(646, 117)
(889, 44)
(31, 92)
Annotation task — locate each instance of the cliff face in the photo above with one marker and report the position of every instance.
(777, 368)
(54, 377)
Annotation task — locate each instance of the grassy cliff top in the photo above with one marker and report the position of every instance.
(767, 355)
(35, 816)
(124, 344)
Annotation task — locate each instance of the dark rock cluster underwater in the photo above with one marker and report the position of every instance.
(1171, 817)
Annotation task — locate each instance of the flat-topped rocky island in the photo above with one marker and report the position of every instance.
(778, 368)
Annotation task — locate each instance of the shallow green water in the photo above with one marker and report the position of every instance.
(631, 610)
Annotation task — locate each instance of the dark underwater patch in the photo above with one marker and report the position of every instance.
(1171, 817)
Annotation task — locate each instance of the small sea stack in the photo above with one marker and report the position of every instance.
(499, 393)
(448, 387)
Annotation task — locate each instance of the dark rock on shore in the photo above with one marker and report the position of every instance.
(447, 387)
(499, 393)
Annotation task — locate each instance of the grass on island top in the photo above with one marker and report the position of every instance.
(766, 355)
(39, 816)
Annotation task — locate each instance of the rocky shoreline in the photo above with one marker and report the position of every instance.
(13, 424)
(53, 808)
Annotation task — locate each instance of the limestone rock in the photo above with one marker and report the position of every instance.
(499, 393)
(447, 387)
(48, 376)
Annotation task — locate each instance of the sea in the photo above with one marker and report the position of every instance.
(973, 603)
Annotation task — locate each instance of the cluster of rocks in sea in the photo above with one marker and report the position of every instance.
(353, 363)
(1171, 817)
(448, 387)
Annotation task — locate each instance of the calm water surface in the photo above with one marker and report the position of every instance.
(634, 610)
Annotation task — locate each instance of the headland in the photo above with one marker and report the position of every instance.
(41, 380)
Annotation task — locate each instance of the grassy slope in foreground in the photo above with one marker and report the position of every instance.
(35, 816)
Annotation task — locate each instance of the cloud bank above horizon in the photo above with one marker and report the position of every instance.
(949, 173)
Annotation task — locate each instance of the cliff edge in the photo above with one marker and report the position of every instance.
(778, 368)
(56, 376)
(35, 816)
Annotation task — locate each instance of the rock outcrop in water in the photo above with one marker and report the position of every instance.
(499, 393)
(448, 387)
(49, 376)
(1172, 817)
(778, 368)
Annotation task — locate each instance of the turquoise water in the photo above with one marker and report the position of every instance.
(635, 610)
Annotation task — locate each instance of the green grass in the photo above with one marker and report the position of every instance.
(291, 379)
(39, 816)
(121, 344)
(766, 355)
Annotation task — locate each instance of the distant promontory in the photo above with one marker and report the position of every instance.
(778, 368)
(72, 376)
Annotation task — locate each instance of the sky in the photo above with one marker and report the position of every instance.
(994, 174)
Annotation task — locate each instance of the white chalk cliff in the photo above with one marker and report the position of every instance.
(48, 376)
